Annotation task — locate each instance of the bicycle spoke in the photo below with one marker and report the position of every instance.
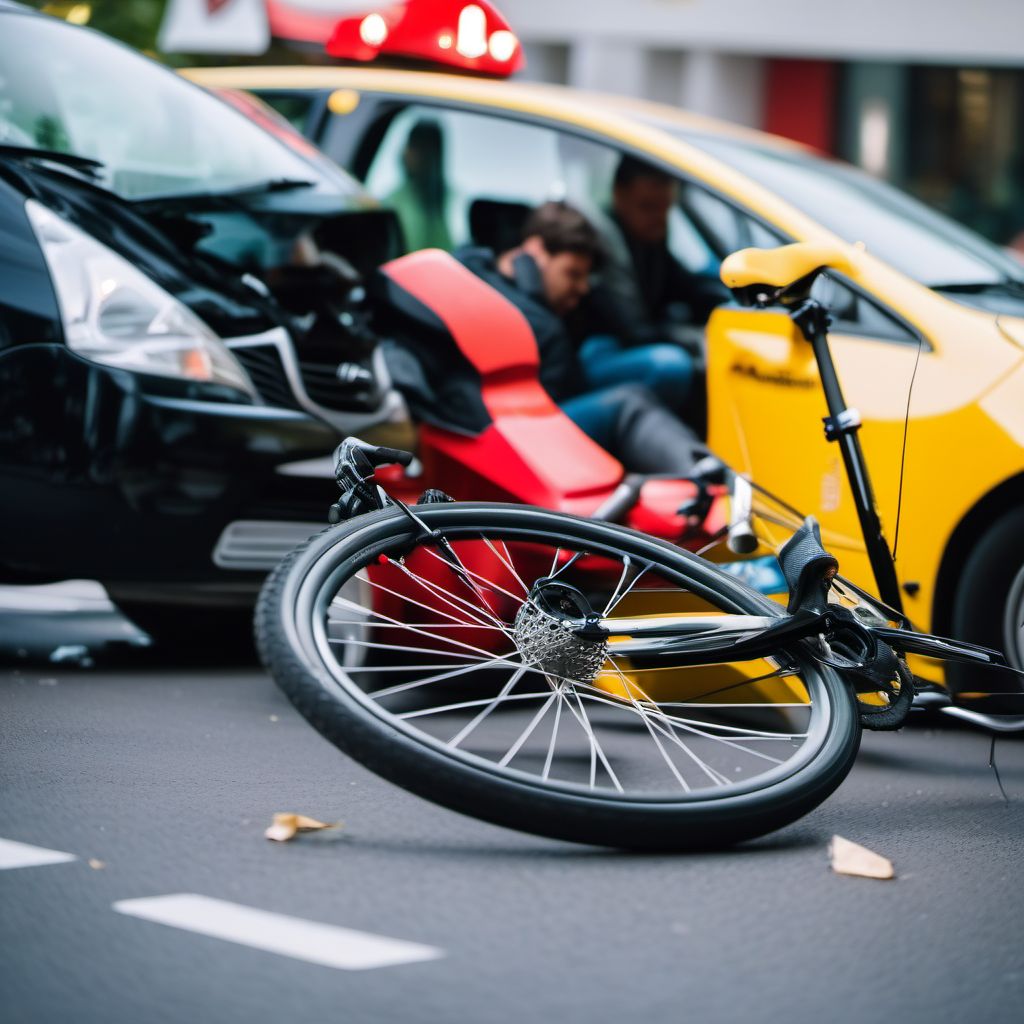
(569, 564)
(716, 538)
(554, 561)
(481, 579)
(554, 737)
(507, 562)
(617, 598)
(462, 704)
(694, 727)
(410, 600)
(654, 722)
(528, 731)
(399, 647)
(427, 633)
(467, 729)
(689, 727)
(410, 625)
(595, 748)
(647, 720)
(755, 733)
(448, 597)
(464, 670)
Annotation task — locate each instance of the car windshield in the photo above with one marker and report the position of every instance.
(896, 228)
(71, 90)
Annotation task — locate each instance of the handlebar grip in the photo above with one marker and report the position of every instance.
(363, 458)
(742, 539)
(387, 456)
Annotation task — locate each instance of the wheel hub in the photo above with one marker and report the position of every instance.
(557, 630)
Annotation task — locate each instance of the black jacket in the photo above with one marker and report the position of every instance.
(560, 371)
(640, 287)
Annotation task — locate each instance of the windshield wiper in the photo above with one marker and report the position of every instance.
(83, 164)
(228, 196)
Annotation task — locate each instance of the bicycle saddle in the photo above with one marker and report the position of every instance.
(765, 275)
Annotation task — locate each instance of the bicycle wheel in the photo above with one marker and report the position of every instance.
(441, 678)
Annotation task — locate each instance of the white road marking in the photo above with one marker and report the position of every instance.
(21, 855)
(317, 943)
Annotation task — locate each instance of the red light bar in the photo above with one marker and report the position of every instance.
(470, 36)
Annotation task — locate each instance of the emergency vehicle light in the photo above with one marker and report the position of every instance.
(469, 36)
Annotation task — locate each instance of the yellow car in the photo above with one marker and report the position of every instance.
(928, 332)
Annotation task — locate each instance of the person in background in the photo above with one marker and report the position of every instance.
(545, 277)
(645, 294)
(421, 201)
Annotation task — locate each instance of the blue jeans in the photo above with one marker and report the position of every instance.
(629, 421)
(597, 414)
(663, 368)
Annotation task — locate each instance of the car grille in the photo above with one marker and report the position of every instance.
(264, 366)
(322, 385)
(319, 381)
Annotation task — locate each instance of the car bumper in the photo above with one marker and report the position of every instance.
(112, 476)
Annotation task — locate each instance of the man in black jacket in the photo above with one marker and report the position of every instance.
(545, 277)
(646, 295)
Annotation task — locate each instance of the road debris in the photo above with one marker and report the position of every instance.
(287, 826)
(852, 859)
(97, 865)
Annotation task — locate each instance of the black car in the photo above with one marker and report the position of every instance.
(180, 337)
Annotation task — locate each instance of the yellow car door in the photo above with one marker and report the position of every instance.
(766, 406)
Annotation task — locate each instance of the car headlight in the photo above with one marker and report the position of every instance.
(115, 314)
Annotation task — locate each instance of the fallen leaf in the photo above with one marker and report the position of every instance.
(852, 859)
(287, 826)
(97, 865)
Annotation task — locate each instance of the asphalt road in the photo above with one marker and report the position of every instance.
(161, 782)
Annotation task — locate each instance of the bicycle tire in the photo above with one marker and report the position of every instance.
(292, 650)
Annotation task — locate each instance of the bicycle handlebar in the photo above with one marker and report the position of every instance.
(361, 459)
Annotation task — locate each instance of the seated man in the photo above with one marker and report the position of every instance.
(546, 276)
(645, 295)
(645, 290)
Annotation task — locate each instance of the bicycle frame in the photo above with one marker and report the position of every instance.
(841, 426)
(719, 639)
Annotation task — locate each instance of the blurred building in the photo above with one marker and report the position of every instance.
(926, 93)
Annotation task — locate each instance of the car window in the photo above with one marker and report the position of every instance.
(153, 132)
(432, 165)
(854, 313)
(727, 227)
(922, 243)
(480, 169)
(455, 177)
